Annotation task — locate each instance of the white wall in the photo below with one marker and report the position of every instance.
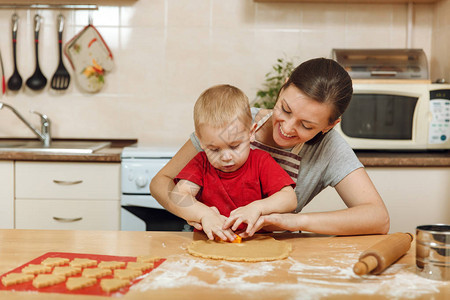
(168, 51)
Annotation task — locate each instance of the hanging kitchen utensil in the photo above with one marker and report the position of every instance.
(37, 81)
(61, 78)
(3, 74)
(90, 57)
(15, 81)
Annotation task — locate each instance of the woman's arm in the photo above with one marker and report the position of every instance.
(282, 201)
(162, 183)
(366, 212)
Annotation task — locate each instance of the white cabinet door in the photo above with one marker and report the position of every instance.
(67, 214)
(67, 195)
(67, 180)
(413, 196)
(6, 194)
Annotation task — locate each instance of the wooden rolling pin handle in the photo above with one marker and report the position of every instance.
(365, 265)
(381, 255)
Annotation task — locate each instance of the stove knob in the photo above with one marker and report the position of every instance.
(141, 181)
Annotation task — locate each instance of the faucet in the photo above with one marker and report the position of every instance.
(44, 134)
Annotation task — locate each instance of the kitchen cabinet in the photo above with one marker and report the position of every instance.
(6, 194)
(67, 195)
(413, 196)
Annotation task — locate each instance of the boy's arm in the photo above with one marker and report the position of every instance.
(282, 201)
(162, 183)
(183, 204)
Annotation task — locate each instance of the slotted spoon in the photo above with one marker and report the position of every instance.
(61, 78)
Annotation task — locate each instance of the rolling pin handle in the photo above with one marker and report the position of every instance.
(365, 265)
(383, 254)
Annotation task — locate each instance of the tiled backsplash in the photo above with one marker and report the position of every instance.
(167, 52)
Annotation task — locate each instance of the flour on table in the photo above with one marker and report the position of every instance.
(309, 280)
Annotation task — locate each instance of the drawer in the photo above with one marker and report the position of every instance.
(67, 214)
(61, 180)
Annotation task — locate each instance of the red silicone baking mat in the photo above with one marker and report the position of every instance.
(61, 287)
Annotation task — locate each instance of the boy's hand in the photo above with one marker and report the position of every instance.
(198, 225)
(212, 224)
(248, 214)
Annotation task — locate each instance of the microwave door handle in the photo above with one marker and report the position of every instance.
(383, 73)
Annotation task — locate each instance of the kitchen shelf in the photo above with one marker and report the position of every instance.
(350, 1)
(50, 6)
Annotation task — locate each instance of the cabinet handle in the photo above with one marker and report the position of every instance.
(67, 220)
(63, 182)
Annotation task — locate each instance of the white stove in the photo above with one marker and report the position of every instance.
(140, 211)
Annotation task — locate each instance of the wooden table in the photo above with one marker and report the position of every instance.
(319, 267)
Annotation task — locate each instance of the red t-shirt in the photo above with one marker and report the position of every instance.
(258, 178)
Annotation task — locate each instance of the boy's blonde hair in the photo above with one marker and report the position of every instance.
(220, 105)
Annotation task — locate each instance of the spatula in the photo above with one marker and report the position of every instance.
(61, 78)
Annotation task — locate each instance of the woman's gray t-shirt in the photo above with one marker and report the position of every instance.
(323, 164)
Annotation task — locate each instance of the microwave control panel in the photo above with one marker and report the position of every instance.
(439, 131)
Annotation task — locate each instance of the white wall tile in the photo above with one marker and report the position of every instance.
(167, 52)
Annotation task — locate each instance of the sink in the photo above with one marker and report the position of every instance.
(56, 147)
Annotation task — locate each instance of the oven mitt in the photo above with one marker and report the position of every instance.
(90, 57)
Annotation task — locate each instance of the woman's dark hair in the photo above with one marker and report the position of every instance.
(325, 81)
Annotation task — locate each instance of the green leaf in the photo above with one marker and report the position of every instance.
(274, 80)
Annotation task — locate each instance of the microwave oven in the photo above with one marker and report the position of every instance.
(397, 116)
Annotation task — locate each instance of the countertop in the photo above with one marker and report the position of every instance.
(404, 159)
(108, 155)
(319, 267)
(367, 158)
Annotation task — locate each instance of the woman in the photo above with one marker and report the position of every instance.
(299, 134)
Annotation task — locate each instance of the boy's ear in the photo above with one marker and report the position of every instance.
(199, 140)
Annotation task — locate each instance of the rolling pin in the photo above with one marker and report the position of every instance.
(381, 255)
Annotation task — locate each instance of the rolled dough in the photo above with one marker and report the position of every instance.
(259, 248)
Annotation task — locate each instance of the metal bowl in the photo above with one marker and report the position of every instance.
(433, 251)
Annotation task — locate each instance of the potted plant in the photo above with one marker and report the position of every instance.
(274, 80)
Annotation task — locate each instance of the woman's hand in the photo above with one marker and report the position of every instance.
(288, 221)
(212, 225)
(248, 214)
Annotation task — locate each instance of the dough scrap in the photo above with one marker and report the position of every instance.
(258, 248)
(111, 264)
(66, 271)
(147, 258)
(96, 272)
(142, 266)
(55, 261)
(43, 280)
(75, 283)
(83, 262)
(113, 284)
(127, 273)
(15, 278)
(36, 269)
